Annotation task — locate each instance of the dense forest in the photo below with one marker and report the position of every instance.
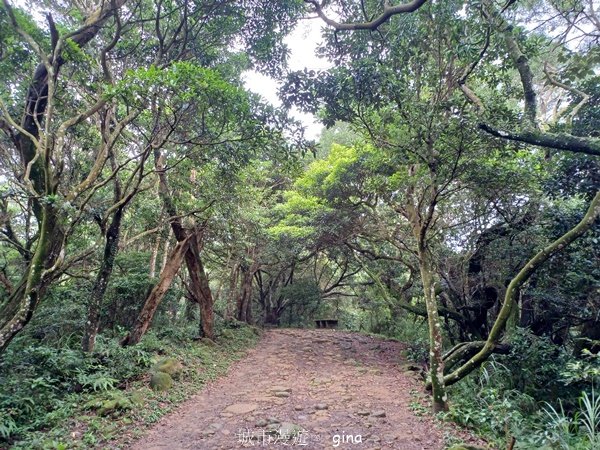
(152, 206)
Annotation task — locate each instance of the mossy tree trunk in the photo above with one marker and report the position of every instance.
(513, 290)
(16, 312)
(436, 361)
(38, 144)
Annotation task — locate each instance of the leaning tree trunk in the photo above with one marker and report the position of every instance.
(111, 249)
(200, 288)
(512, 292)
(146, 315)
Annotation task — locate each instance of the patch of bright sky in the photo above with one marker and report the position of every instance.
(302, 42)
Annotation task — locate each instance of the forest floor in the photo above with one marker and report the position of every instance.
(314, 389)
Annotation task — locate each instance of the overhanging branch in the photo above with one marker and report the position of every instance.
(372, 25)
(559, 141)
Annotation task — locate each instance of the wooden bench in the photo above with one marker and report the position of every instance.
(326, 323)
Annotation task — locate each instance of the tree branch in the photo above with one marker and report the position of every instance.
(584, 97)
(372, 25)
(559, 141)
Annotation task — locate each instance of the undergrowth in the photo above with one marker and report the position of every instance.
(49, 392)
(538, 394)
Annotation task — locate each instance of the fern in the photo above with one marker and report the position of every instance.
(8, 426)
(99, 381)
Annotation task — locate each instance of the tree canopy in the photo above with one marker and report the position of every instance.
(454, 190)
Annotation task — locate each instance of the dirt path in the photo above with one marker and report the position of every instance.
(317, 388)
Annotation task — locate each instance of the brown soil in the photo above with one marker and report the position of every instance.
(316, 388)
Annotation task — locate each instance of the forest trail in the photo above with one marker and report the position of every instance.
(316, 384)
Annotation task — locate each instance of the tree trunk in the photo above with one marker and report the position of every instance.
(244, 304)
(200, 287)
(111, 248)
(206, 305)
(154, 257)
(241, 301)
(436, 361)
(272, 314)
(166, 249)
(232, 298)
(157, 294)
(466, 350)
(16, 312)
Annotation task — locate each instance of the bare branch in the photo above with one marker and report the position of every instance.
(372, 25)
(584, 97)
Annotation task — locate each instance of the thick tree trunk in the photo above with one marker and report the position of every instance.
(157, 294)
(111, 248)
(206, 305)
(200, 287)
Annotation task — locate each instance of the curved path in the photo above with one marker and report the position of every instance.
(311, 389)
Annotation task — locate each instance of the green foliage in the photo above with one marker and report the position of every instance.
(403, 146)
(579, 430)
(536, 364)
(8, 426)
(299, 214)
(97, 381)
(585, 369)
(533, 412)
(496, 411)
(303, 302)
(13, 54)
(560, 428)
(590, 416)
(44, 386)
(417, 349)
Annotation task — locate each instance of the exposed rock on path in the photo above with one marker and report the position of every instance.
(308, 389)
